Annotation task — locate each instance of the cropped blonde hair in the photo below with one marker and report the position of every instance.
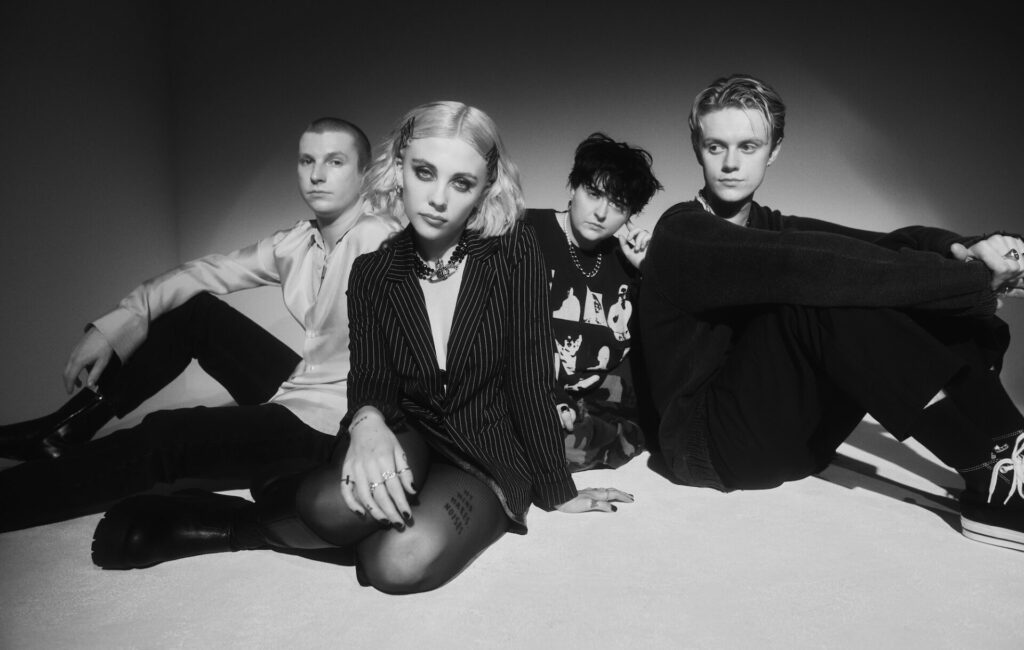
(502, 203)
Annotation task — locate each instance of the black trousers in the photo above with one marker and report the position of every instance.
(232, 444)
(799, 379)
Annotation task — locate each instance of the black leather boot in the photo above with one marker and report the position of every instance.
(73, 424)
(145, 530)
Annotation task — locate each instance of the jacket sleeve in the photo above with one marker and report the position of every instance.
(127, 326)
(708, 263)
(371, 379)
(530, 380)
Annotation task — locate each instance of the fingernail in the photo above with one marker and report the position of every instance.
(614, 509)
(398, 527)
(414, 486)
(362, 515)
(630, 495)
(407, 516)
(384, 524)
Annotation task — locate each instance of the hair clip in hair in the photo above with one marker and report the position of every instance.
(492, 164)
(404, 135)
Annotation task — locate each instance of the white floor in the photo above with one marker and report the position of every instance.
(868, 555)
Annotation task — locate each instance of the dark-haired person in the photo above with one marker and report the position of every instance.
(592, 274)
(287, 405)
(767, 337)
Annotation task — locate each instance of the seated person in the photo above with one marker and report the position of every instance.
(288, 406)
(593, 276)
(449, 392)
(768, 337)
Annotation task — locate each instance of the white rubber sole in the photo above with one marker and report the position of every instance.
(994, 535)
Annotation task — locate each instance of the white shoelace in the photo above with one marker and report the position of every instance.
(1015, 464)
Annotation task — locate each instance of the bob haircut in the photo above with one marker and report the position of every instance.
(622, 172)
(739, 91)
(502, 202)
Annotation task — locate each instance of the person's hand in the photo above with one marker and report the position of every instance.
(375, 473)
(1004, 257)
(92, 353)
(567, 415)
(595, 499)
(633, 242)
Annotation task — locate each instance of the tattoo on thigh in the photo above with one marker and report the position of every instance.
(459, 509)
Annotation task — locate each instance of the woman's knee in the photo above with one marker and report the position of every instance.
(402, 563)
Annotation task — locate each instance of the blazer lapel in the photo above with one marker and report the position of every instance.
(474, 295)
(403, 293)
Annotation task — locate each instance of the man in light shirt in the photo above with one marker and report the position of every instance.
(287, 406)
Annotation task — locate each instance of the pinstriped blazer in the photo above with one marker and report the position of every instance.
(497, 415)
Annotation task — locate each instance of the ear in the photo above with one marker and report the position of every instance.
(775, 152)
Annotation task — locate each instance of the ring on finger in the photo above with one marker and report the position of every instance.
(1012, 255)
(374, 486)
(387, 475)
(404, 469)
(347, 480)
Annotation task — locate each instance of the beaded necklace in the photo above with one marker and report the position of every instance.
(572, 252)
(441, 270)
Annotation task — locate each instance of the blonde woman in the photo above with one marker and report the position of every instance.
(452, 431)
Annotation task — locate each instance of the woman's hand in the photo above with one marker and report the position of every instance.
(375, 473)
(634, 243)
(600, 499)
(93, 352)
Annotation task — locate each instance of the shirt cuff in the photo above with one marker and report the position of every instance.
(123, 330)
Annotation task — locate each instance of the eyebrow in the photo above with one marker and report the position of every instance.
(329, 154)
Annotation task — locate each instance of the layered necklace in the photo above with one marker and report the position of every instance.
(441, 270)
(574, 256)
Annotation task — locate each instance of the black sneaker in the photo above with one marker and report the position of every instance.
(998, 517)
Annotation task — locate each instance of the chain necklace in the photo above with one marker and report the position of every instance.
(573, 255)
(441, 270)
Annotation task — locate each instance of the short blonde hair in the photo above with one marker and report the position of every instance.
(502, 203)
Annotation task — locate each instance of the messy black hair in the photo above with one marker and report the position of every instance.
(622, 172)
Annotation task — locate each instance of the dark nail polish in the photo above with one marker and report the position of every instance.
(362, 515)
(407, 516)
(384, 524)
(398, 527)
(614, 509)
(415, 487)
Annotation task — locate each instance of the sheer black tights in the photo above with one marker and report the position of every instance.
(455, 517)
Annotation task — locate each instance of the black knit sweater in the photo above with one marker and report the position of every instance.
(703, 274)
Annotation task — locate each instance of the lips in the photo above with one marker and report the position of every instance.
(433, 219)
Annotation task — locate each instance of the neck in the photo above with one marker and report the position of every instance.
(737, 212)
(334, 226)
(435, 250)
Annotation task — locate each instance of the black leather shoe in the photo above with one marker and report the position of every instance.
(73, 424)
(145, 530)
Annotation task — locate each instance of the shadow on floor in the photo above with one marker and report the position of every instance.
(849, 472)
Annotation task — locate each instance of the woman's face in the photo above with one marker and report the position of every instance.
(443, 181)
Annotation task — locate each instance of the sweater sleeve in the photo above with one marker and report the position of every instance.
(721, 265)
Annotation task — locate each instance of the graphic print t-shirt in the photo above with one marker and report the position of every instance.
(592, 318)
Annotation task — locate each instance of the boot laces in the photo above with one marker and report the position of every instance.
(1014, 463)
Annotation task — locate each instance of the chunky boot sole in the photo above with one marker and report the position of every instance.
(112, 540)
(994, 535)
